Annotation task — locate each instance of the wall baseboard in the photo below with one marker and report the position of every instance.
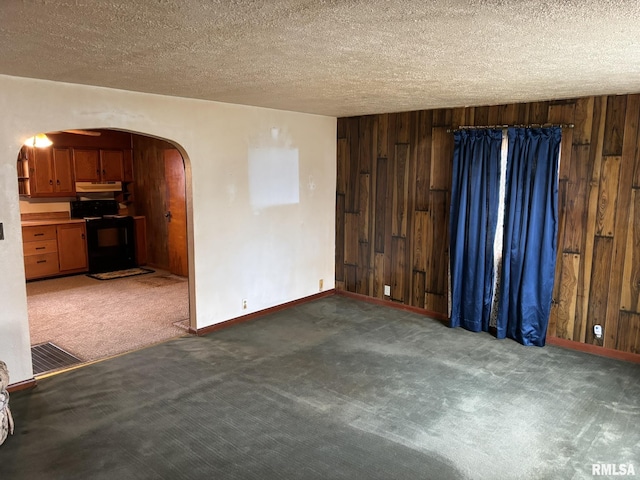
(24, 385)
(594, 349)
(260, 313)
(389, 303)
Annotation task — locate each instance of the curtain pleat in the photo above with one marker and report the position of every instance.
(530, 231)
(474, 210)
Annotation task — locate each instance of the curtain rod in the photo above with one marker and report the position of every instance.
(530, 125)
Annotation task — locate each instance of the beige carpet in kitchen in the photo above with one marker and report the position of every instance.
(94, 319)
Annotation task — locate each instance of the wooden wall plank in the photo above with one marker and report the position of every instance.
(583, 121)
(436, 303)
(365, 207)
(380, 204)
(423, 162)
(481, 116)
(342, 127)
(614, 132)
(418, 289)
(441, 158)
(442, 117)
(630, 300)
(538, 112)
(605, 217)
(458, 118)
(630, 137)
(340, 243)
(382, 135)
(624, 342)
(351, 221)
(576, 201)
(566, 312)
(362, 272)
(438, 231)
(350, 273)
(398, 273)
(352, 194)
(421, 243)
(378, 275)
(388, 218)
(599, 294)
(562, 222)
(403, 127)
(628, 336)
(634, 327)
(508, 114)
(636, 176)
(400, 191)
(342, 159)
(367, 143)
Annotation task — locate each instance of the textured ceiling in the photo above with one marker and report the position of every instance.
(330, 57)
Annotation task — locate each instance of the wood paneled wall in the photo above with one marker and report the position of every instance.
(150, 195)
(393, 199)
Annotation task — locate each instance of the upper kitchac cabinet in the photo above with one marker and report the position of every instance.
(52, 168)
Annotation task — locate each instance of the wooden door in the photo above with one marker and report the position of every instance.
(176, 215)
(86, 164)
(111, 163)
(41, 172)
(63, 172)
(72, 247)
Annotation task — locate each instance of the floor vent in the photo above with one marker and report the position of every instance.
(47, 357)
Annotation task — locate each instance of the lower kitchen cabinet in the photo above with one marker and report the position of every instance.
(72, 247)
(51, 250)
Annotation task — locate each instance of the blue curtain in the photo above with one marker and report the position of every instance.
(474, 214)
(530, 231)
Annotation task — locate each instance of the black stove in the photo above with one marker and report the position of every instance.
(110, 236)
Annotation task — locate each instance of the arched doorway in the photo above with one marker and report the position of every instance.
(92, 319)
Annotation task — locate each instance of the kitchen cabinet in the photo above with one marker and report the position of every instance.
(72, 247)
(100, 165)
(40, 248)
(54, 249)
(45, 172)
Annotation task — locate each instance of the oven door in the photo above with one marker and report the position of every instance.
(110, 244)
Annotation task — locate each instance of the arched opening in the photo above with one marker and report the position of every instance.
(108, 245)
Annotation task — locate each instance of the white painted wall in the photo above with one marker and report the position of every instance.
(267, 255)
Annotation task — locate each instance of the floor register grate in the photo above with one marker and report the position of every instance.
(47, 357)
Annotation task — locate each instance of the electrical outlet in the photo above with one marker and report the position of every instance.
(387, 290)
(244, 304)
(321, 284)
(597, 331)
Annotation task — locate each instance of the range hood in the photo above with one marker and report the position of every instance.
(87, 187)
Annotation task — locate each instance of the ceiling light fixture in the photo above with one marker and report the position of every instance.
(39, 141)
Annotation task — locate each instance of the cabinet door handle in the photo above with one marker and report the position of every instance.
(98, 172)
(38, 234)
(41, 261)
(50, 182)
(83, 236)
(104, 172)
(57, 182)
(40, 248)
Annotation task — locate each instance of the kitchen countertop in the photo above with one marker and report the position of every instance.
(53, 221)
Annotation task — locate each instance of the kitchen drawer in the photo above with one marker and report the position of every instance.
(35, 234)
(38, 248)
(41, 265)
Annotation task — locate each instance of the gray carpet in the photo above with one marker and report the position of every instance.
(333, 389)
